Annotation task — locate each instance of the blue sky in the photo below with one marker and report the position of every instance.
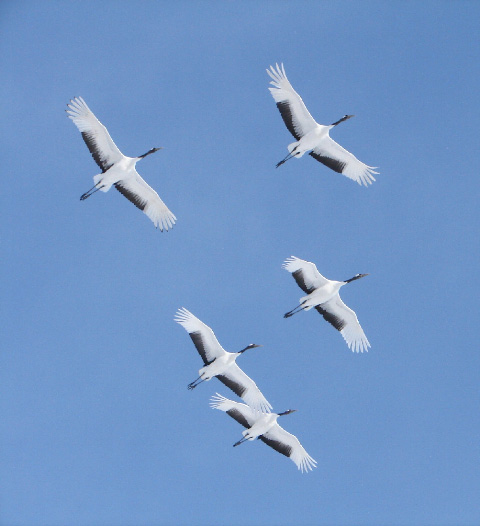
(98, 427)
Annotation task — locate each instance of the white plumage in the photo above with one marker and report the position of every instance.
(313, 137)
(220, 363)
(265, 427)
(117, 169)
(322, 294)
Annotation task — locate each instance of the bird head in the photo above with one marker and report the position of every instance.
(357, 276)
(251, 346)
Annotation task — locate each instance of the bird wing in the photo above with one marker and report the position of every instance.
(202, 336)
(243, 386)
(331, 154)
(288, 445)
(305, 273)
(242, 413)
(96, 137)
(344, 320)
(292, 109)
(143, 196)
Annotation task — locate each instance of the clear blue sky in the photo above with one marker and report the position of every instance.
(97, 425)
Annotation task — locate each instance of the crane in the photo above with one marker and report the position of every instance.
(265, 427)
(220, 363)
(322, 294)
(117, 169)
(313, 137)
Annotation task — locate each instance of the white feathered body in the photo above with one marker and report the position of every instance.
(321, 295)
(264, 423)
(123, 170)
(309, 141)
(219, 366)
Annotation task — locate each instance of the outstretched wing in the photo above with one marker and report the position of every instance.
(242, 413)
(334, 156)
(292, 109)
(288, 445)
(243, 386)
(305, 273)
(344, 320)
(96, 137)
(202, 336)
(143, 196)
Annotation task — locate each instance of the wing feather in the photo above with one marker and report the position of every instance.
(334, 156)
(292, 109)
(202, 336)
(242, 413)
(144, 197)
(288, 445)
(243, 386)
(104, 151)
(305, 274)
(344, 320)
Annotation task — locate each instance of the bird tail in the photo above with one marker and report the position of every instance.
(292, 146)
(98, 179)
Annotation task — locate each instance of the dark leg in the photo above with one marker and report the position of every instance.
(241, 441)
(287, 158)
(294, 311)
(195, 382)
(92, 190)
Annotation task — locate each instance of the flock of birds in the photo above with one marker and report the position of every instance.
(119, 171)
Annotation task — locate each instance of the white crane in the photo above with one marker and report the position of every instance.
(323, 295)
(220, 363)
(117, 169)
(313, 137)
(265, 427)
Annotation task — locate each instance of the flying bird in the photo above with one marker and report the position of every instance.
(322, 294)
(313, 137)
(117, 169)
(265, 427)
(220, 363)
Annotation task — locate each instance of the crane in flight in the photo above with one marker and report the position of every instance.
(265, 427)
(322, 294)
(118, 170)
(220, 363)
(313, 137)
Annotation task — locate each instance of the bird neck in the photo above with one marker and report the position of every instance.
(153, 150)
(344, 118)
(352, 279)
(286, 412)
